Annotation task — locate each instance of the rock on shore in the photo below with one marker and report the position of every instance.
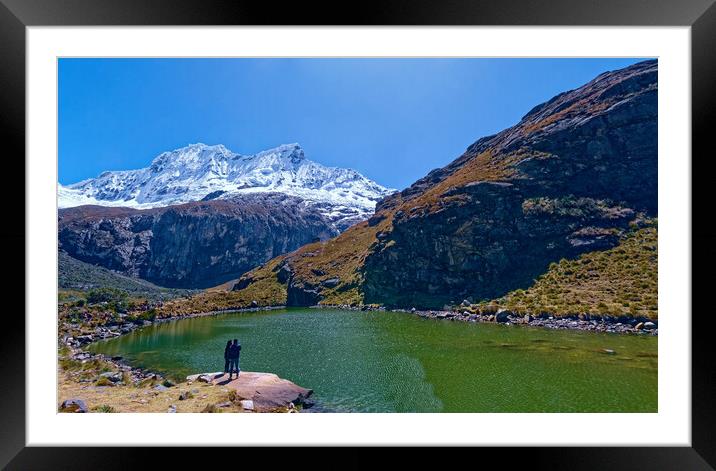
(260, 392)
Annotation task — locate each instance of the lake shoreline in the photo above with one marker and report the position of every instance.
(77, 345)
(606, 324)
(396, 344)
(135, 375)
(601, 324)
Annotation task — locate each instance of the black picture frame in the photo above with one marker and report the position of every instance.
(700, 15)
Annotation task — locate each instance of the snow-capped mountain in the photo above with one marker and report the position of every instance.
(202, 172)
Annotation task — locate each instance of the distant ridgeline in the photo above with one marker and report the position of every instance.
(202, 215)
(557, 213)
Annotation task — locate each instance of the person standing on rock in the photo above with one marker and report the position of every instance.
(234, 353)
(227, 359)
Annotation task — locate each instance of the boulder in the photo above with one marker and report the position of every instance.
(649, 326)
(74, 405)
(503, 315)
(208, 379)
(247, 404)
(284, 273)
(331, 282)
(113, 376)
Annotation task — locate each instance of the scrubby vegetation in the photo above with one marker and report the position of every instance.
(75, 275)
(81, 312)
(621, 281)
(264, 291)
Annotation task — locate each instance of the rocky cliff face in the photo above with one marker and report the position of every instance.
(570, 177)
(193, 245)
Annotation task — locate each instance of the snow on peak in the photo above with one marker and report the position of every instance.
(200, 171)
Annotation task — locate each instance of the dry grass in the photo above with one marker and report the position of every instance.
(621, 281)
(127, 398)
(265, 290)
(341, 257)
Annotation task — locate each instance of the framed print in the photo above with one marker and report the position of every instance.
(432, 225)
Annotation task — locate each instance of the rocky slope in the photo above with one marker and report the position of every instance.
(75, 275)
(577, 174)
(194, 245)
(200, 172)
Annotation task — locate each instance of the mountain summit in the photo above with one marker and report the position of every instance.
(200, 172)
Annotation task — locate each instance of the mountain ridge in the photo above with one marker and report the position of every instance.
(191, 245)
(199, 172)
(575, 175)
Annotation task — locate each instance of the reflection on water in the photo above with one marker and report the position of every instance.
(391, 362)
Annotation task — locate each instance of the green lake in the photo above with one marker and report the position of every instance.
(395, 362)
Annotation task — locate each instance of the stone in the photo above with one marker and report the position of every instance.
(74, 405)
(254, 303)
(639, 326)
(331, 282)
(503, 315)
(607, 351)
(649, 326)
(172, 409)
(209, 376)
(224, 404)
(160, 387)
(113, 376)
(266, 392)
(184, 395)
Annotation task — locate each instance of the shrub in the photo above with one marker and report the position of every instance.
(149, 315)
(116, 299)
(211, 409)
(102, 381)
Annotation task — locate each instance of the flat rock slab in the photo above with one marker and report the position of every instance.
(266, 390)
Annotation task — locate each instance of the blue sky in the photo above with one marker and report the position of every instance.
(393, 120)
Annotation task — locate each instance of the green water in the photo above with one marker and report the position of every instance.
(392, 362)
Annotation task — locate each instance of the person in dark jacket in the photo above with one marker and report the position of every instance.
(227, 360)
(234, 353)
